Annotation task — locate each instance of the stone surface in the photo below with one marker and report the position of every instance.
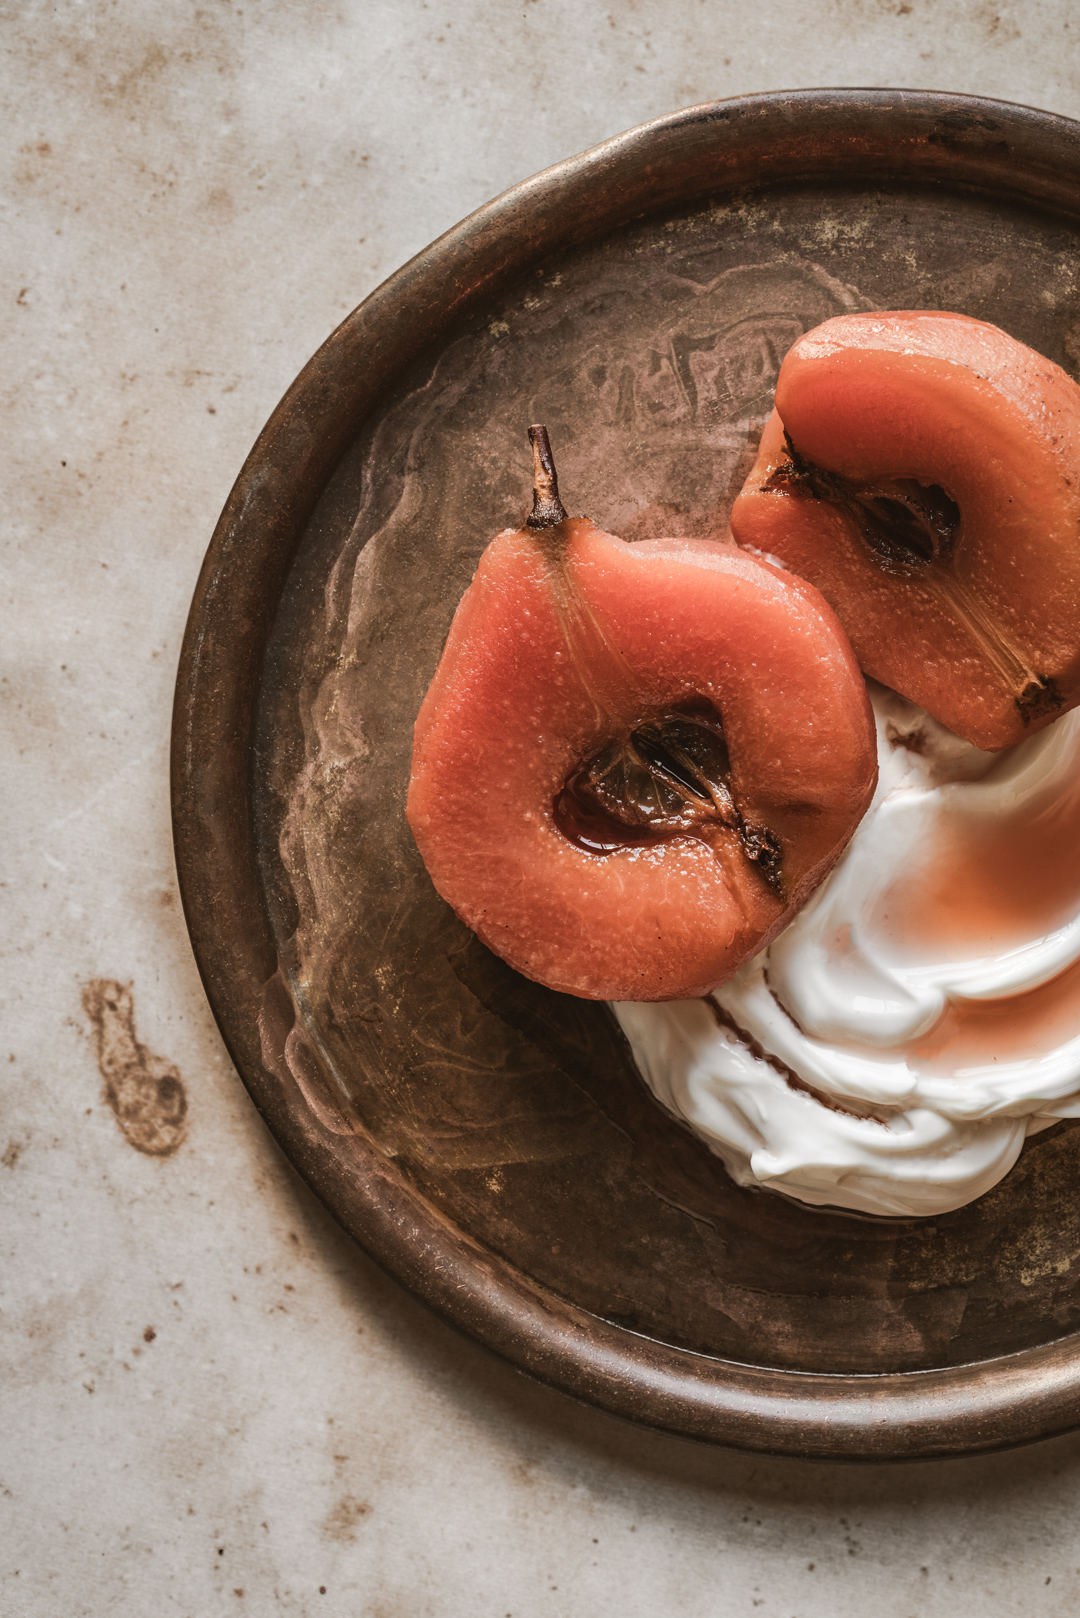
(212, 1402)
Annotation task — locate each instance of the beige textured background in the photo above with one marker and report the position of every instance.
(194, 195)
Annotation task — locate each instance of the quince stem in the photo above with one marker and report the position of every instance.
(548, 510)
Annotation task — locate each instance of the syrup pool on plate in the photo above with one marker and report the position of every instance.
(892, 1048)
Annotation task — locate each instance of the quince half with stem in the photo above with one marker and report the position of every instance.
(635, 761)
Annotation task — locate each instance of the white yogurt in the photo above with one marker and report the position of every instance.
(926, 999)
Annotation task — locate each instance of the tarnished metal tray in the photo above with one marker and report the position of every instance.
(486, 1140)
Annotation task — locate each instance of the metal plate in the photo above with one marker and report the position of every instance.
(487, 1140)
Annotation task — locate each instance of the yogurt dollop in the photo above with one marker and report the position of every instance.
(890, 1051)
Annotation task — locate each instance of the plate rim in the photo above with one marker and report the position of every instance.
(1016, 152)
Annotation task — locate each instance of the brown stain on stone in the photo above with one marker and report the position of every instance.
(145, 1092)
(341, 1521)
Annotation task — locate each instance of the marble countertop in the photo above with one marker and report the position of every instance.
(212, 1403)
